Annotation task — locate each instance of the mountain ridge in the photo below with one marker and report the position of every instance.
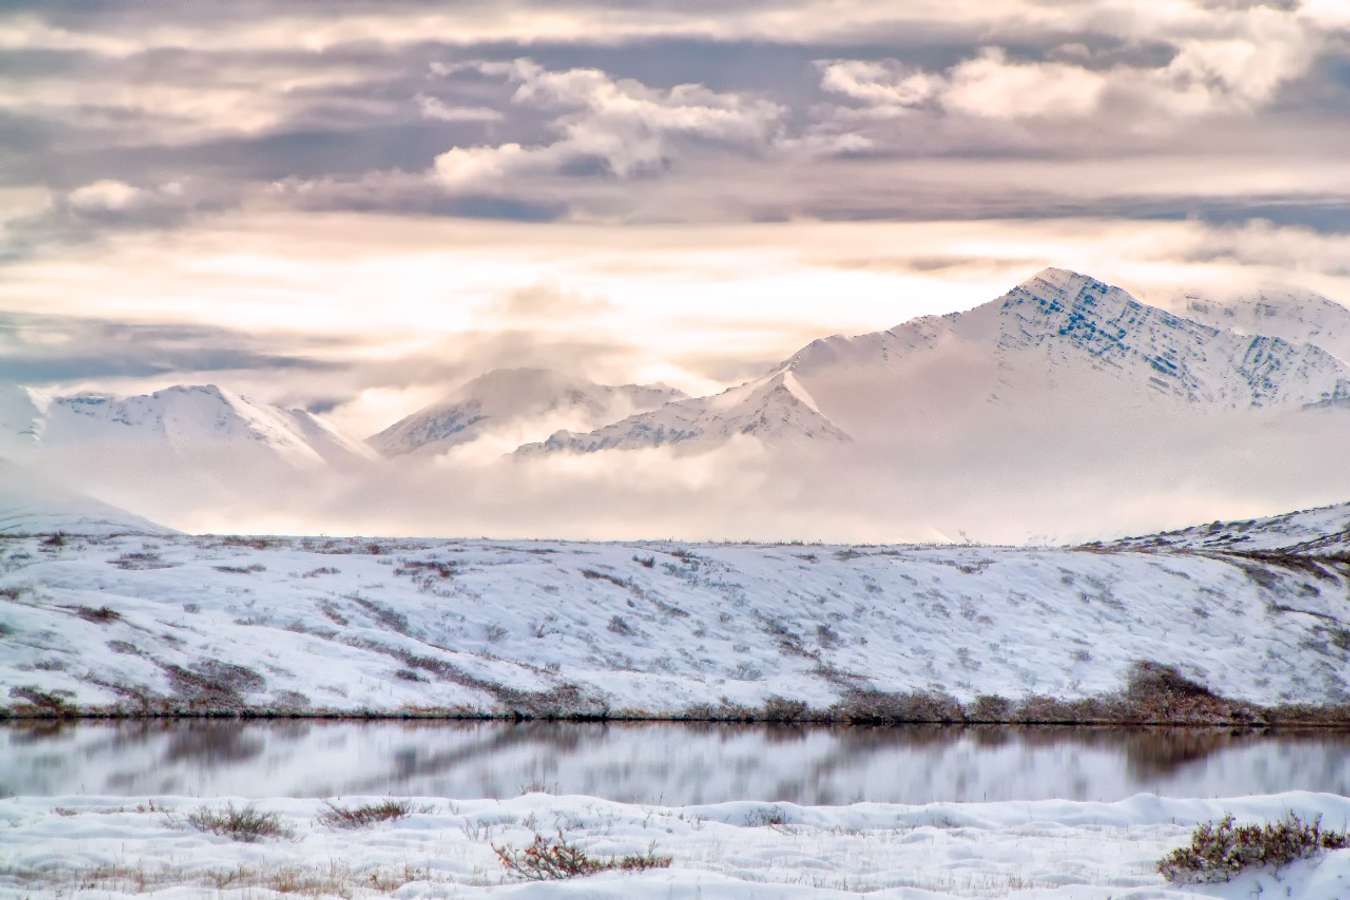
(505, 397)
(1057, 333)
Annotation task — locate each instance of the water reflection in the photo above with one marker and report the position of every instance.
(685, 763)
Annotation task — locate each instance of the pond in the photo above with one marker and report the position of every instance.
(673, 764)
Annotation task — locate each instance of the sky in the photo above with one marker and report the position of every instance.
(354, 206)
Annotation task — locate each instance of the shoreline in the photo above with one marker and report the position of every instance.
(1336, 720)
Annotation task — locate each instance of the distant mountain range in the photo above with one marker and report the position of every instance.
(507, 397)
(178, 425)
(1059, 339)
(1015, 390)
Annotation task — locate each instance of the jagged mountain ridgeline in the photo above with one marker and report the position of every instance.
(1065, 394)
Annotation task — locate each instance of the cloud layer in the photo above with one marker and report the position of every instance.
(355, 206)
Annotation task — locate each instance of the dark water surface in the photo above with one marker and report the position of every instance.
(659, 763)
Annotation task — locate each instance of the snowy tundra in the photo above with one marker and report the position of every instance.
(107, 847)
(174, 623)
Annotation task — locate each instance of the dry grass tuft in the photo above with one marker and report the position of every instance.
(1219, 851)
(555, 859)
(390, 810)
(246, 824)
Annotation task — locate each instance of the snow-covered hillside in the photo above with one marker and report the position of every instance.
(1324, 531)
(33, 504)
(1060, 343)
(509, 400)
(656, 629)
(1294, 314)
(184, 424)
(776, 409)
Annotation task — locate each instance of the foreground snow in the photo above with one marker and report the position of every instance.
(174, 622)
(1049, 848)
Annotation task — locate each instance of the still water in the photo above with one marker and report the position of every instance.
(659, 763)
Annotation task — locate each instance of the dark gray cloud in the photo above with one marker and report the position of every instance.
(36, 349)
(343, 107)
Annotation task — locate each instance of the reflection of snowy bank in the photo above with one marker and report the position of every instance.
(734, 850)
(677, 763)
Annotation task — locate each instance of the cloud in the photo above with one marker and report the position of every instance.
(621, 126)
(106, 195)
(44, 349)
(1231, 65)
(434, 108)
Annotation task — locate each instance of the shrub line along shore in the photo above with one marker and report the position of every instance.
(1156, 695)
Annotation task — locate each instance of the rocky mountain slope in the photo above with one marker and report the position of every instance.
(1060, 343)
(1294, 314)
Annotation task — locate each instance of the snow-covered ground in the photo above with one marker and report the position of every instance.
(1322, 531)
(743, 850)
(651, 629)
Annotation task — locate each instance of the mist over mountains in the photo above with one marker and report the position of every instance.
(1064, 409)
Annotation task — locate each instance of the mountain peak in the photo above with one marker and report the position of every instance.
(1056, 279)
(516, 399)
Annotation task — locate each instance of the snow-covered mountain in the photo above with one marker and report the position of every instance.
(183, 424)
(775, 409)
(33, 504)
(1293, 314)
(1061, 345)
(538, 400)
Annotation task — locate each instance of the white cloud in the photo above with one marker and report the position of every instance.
(433, 108)
(624, 125)
(879, 83)
(106, 196)
(992, 87)
(1233, 63)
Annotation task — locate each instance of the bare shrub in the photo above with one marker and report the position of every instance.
(1218, 851)
(246, 824)
(56, 539)
(990, 708)
(36, 701)
(647, 562)
(101, 614)
(252, 543)
(548, 859)
(1160, 693)
(594, 574)
(213, 685)
(882, 707)
(618, 625)
(390, 810)
(140, 560)
(241, 570)
(781, 709)
(771, 817)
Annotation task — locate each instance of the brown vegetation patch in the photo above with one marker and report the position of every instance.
(246, 824)
(367, 814)
(554, 859)
(1218, 851)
